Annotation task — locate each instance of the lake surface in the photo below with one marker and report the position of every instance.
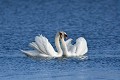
(98, 21)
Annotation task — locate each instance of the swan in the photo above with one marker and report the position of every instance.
(77, 50)
(43, 48)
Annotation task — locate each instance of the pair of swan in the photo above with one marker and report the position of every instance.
(43, 48)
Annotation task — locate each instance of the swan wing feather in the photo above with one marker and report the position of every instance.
(44, 45)
(81, 46)
(71, 48)
(68, 44)
(40, 43)
(35, 46)
(34, 53)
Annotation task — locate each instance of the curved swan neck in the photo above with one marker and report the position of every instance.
(57, 44)
(65, 50)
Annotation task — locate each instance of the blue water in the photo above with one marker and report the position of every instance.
(96, 20)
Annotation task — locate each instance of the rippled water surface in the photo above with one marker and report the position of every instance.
(96, 20)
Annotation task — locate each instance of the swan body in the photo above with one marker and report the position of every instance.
(43, 48)
(78, 49)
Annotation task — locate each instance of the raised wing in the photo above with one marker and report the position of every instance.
(68, 44)
(71, 48)
(35, 46)
(44, 45)
(81, 46)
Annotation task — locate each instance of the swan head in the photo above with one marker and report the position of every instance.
(62, 34)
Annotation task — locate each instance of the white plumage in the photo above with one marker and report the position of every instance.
(78, 49)
(43, 48)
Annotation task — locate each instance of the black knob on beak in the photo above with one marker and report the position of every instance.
(60, 35)
(65, 36)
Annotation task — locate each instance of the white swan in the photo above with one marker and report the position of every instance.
(76, 50)
(43, 48)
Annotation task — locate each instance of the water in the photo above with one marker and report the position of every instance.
(96, 20)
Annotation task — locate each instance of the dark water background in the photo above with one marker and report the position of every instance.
(96, 20)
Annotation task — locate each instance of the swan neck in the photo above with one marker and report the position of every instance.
(57, 44)
(65, 50)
